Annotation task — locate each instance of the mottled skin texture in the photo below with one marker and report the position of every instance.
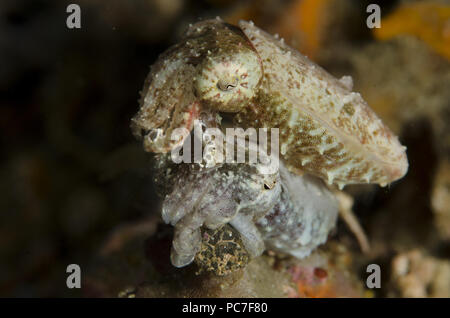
(173, 98)
(283, 211)
(302, 217)
(325, 128)
(327, 132)
(233, 193)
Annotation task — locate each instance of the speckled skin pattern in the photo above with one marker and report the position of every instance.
(325, 128)
(233, 193)
(302, 217)
(285, 212)
(327, 132)
(174, 92)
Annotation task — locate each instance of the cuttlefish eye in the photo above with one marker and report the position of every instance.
(227, 82)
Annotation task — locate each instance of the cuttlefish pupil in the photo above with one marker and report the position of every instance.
(228, 85)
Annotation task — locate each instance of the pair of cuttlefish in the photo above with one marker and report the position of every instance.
(327, 134)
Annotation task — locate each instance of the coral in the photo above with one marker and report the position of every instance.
(427, 20)
(415, 274)
(304, 22)
(326, 274)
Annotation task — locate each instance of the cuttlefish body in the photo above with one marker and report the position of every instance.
(325, 129)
